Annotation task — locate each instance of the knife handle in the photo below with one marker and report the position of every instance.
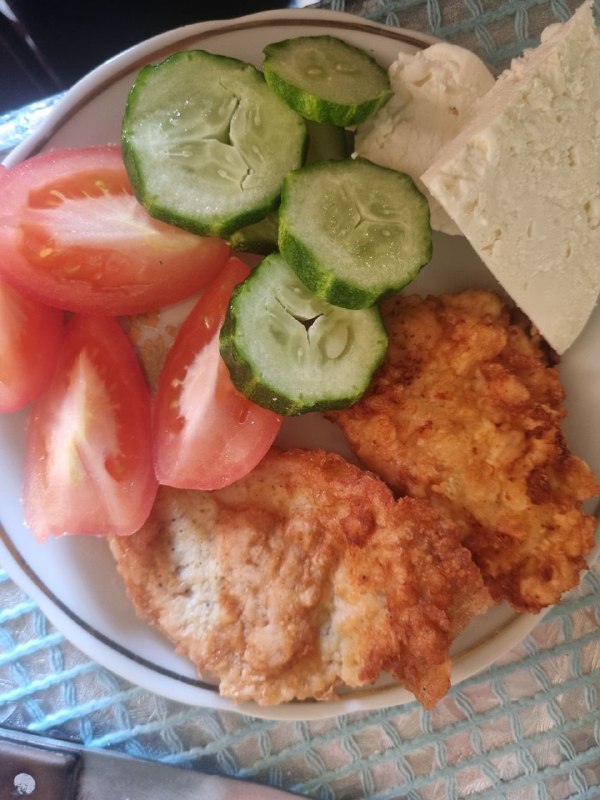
(31, 772)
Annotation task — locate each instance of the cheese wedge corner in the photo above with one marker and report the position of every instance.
(522, 179)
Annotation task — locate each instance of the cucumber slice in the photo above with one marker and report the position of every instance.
(206, 143)
(326, 79)
(260, 237)
(291, 352)
(326, 142)
(353, 231)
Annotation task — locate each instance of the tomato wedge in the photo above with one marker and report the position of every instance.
(73, 235)
(30, 338)
(88, 466)
(207, 434)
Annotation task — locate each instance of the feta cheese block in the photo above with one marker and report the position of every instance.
(522, 179)
(433, 91)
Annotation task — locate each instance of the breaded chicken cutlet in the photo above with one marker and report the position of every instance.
(305, 575)
(466, 413)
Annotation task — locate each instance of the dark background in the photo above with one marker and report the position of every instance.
(46, 45)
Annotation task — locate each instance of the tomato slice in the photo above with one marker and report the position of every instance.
(88, 466)
(207, 434)
(73, 235)
(30, 338)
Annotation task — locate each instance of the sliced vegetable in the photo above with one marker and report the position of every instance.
(291, 352)
(73, 235)
(353, 231)
(88, 466)
(30, 338)
(207, 433)
(325, 79)
(207, 143)
(260, 237)
(326, 142)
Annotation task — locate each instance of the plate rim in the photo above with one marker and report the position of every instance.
(106, 652)
(116, 657)
(161, 45)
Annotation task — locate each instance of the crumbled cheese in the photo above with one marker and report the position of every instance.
(522, 179)
(434, 90)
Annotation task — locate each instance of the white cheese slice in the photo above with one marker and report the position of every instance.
(522, 179)
(434, 90)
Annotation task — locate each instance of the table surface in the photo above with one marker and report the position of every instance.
(527, 727)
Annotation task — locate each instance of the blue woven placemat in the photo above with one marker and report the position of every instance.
(496, 31)
(528, 727)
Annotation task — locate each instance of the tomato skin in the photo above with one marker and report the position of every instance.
(30, 338)
(73, 235)
(207, 434)
(88, 465)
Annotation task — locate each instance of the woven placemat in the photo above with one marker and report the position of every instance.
(496, 31)
(528, 727)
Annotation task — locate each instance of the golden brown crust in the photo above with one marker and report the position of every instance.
(466, 413)
(305, 575)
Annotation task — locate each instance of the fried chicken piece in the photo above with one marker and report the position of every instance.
(304, 575)
(466, 413)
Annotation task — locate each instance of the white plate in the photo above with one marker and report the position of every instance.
(74, 579)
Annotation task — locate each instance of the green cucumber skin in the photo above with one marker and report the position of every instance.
(327, 286)
(259, 372)
(311, 107)
(325, 143)
(127, 150)
(244, 379)
(306, 260)
(222, 227)
(221, 230)
(260, 237)
(318, 108)
(243, 376)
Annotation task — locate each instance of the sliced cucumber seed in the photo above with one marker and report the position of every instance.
(337, 340)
